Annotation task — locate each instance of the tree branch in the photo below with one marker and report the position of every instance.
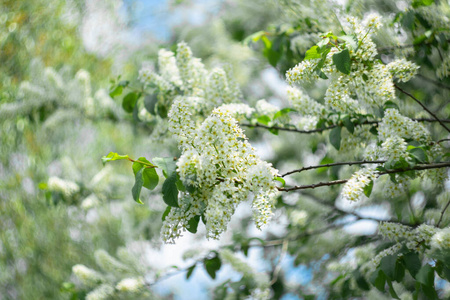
(423, 106)
(258, 125)
(442, 213)
(349, 163)
(341, 181)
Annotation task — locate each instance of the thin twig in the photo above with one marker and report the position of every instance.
(258, 125)
(349, 163)
(443, 140)
(442, 213)
(423, 106)
(341, 181)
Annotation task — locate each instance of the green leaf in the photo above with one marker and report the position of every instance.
(117, 91)
(324, 161)
(283, 112)
(349, 124)
(113, 156)
(342, 61)
(281, 179)
(373, 130)
(391, 290)
(162, 110)
(180, 185)
(312, 53)
(419, 154)
(269, 52)
(345, 289)
(360, 280)
(446, 273)
(324, 42)
(150, 102)
(253, 37)
(193, 224)
(430, 292)
(129, 101)
(263, 120)
(399, 272)
(212, 265)
(418, 3)
(149, 175)
(368, 189)
(426, 275)
(378, 279)
(387, 265)
(166, 213)
(167, 164)
(335, 137)
(350, 40)
(170, 191)
(190, 270)
(136, 190)
(390, 104)
(273, 131)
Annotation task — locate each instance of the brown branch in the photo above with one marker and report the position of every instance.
(423, 106)
(443, 140)
(258, 125)
(341, 181)
(349, 163)
(442, 213)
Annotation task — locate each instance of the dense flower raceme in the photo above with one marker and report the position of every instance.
(369, 81)
(368, 85)
(222, 166)
(354, 189)
(183, 74)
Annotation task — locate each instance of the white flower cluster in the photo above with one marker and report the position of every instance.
(394, 147)
(299, 217)
(415, 239)
(354, 188)
(265, 108)
(261, 280)
(86, 275)
(394, 190)
(131, 285)
(239, 111)
(395, 231)
(396, 125)
(389, 251)
(66, 187)
(402, 69)
(369, 81)
(218, 161)
(184, 74)
(444, 69)
(303, 104)
(109, 263)
(113, 281)
(304, 72)
(441, 240)
(103, 292)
